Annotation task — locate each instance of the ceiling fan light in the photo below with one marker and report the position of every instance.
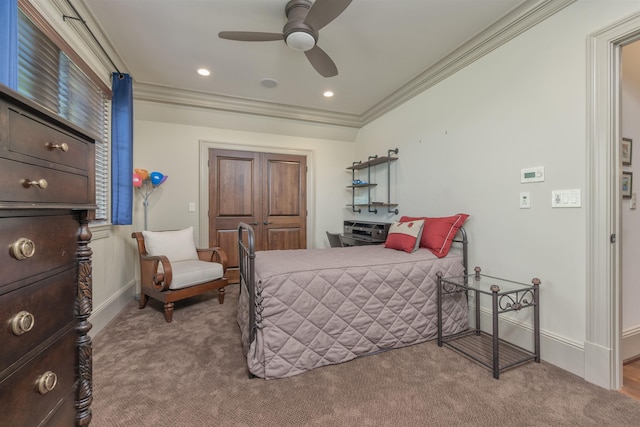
(300, 40)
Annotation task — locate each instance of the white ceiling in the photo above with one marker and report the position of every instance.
(381, 47)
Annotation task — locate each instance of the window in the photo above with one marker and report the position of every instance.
(48, 75)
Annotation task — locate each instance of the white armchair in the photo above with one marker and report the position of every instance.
(172, 268)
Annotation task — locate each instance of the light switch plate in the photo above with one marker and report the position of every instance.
(566, 198)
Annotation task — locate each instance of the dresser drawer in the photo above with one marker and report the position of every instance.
(54, 238)
(33, 138)
(60, 187)
(23, 404)
(65, 414)
(45, 306)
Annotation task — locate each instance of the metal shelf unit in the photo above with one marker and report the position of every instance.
(369, 164)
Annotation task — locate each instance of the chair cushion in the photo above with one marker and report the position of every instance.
(188, 273)
(175, 245)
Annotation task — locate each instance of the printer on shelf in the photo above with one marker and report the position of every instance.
(358, 233)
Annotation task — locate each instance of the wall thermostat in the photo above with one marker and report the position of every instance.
(532, 174)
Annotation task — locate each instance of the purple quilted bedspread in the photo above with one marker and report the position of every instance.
(325, 306)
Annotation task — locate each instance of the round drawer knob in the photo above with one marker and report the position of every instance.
(22, 322)
(62, 147)
(41, 183)
(46, 382)
(23, 248)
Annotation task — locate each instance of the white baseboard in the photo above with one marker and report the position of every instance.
(631, 343)
(102, 315)
(554, 349)
(597, 364)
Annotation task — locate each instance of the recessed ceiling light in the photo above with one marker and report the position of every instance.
(328, 94)
(270, 83)
(204, 72)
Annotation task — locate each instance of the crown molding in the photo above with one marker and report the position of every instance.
(169, 95)
(512, 25)
(515, 23)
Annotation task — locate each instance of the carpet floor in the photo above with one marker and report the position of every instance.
(191, 372)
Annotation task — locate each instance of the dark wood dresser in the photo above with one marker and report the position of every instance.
(47, 198)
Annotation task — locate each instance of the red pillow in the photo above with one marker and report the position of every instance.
(404, 236)
(438, 233)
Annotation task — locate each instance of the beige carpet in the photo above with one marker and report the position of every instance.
(192, 373)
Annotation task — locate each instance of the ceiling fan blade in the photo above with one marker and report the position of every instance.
(324, 11)
(321, 62)
(250, 36)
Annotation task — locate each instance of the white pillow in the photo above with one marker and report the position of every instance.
(176, 245)
(404, 236)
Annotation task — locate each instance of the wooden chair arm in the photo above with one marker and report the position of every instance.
(149, 265)
(215, 254)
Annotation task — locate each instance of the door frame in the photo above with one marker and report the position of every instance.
(603, 335)
(203, 200)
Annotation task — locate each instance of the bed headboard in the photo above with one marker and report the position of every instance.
(461, 237)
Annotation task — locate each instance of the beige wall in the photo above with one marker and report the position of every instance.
(176, 149)
(464, 141)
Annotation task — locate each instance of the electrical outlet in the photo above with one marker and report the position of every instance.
(525, 200)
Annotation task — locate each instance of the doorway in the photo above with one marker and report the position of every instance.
(602, 347)
(629, 214)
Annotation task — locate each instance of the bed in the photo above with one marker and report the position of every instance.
(307, 308)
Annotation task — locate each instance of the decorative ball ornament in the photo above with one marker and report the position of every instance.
(156, 178)
(146, 183)
(143, 173)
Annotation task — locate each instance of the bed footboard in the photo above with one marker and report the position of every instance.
(246, 263)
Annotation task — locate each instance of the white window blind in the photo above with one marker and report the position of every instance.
(48, 76)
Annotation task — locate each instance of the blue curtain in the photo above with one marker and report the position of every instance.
(9, 43)
(121, 149)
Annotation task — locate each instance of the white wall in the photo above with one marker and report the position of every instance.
(168, 138)
(630, 236)
(463, 142)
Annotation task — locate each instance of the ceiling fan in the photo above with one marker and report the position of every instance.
(304, 21)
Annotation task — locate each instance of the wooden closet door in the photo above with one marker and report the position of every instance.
(264, 190)
(284, 206)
